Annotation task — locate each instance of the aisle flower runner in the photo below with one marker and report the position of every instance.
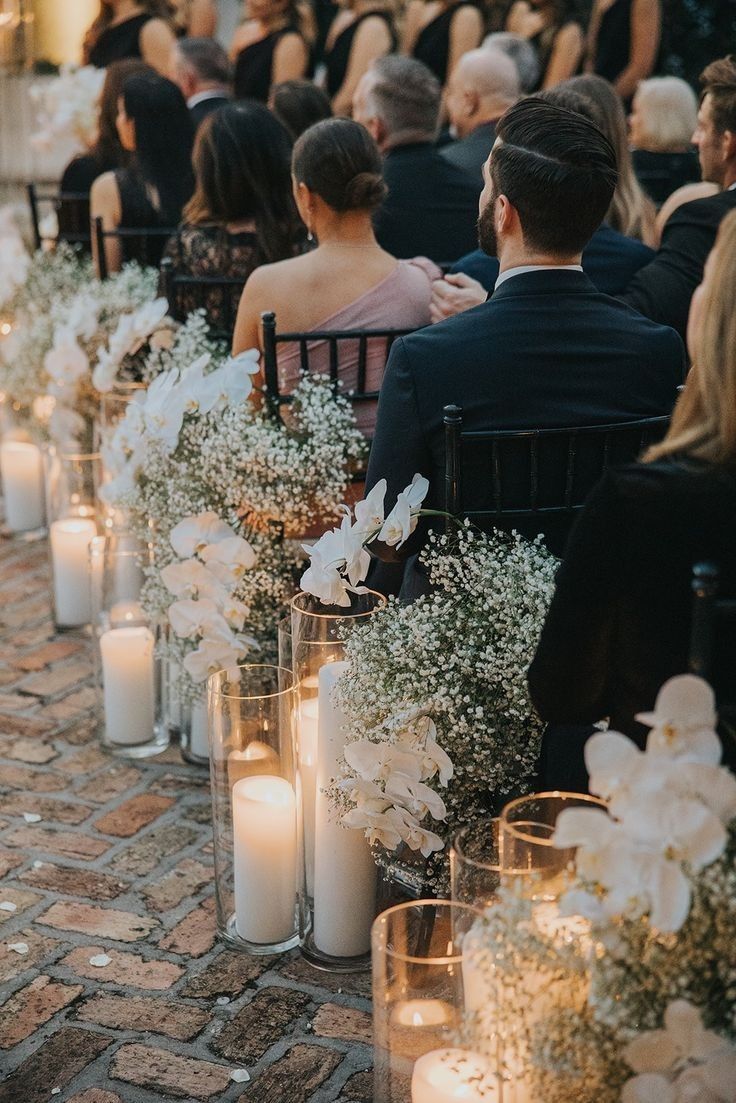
(112, 988)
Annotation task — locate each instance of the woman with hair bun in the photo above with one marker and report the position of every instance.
(347, 281)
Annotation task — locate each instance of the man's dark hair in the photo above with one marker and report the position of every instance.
(558, 171)
(207, 58)
(719, 82)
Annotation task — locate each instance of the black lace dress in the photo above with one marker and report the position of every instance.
(208, 251)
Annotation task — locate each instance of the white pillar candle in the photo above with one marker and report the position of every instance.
(421, 1013)
(453, 1076)
(127, 614)
(70, 540)
(264, 859)
(22, 478)
(308, 738)
(256, 758)
(344, 870)
(199, 740)
(128, 685)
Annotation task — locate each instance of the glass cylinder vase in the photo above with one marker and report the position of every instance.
(258, 859)
(419, 1005)
(194, 729)
(340, 876)
(128, 667)
(72, 479)
(21, 470)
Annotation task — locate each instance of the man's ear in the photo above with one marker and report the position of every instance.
(729, 145)
(471, 102)
(505, 214)
(377, 130)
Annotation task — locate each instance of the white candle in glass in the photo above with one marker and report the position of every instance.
(453, 1076)
(256, 758)
(308, 738)
(70, 540)
(22, 479)
(344, 870)
(264, 859)
(128, 685)
(422, 1013)
(199, 741)
(127, 614)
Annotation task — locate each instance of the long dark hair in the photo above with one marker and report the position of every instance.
(160, 9)
(241, 164)
(107, 148)
(164, 136)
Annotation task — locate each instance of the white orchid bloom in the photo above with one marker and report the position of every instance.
(414, 835)
(187, 616)
(233, 379)
(715, 786)
(196, 389)
(190, 578)
(235, 613)
(212, 655)
(415, 796)
(66, 426)
(357, 559)
(686, 830)
(66, 362)
(613, 761)
(436, 760)
(402, 520)
(146, 319)
(82, 316)
(163, 409)
(191, 535)
(683, 720)
(378, 826)
(229, 559)
(370, 513)
(648, 1088)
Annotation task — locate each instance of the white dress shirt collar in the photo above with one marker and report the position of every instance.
(209, 94)
(536, 268)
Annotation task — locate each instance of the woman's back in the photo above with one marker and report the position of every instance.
(120, 40)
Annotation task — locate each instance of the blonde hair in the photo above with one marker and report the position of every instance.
(704, 420)
(668, 111)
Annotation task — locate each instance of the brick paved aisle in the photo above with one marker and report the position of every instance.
(102, 857)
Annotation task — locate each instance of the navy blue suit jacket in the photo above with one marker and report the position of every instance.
(610, 260)
(546, 350)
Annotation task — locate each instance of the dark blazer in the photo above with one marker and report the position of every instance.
(663, 290)
(432, 206)
(619, 623)
(547, 350)
(204, 108)
(610, 260)
(471, 153)
(662, 173)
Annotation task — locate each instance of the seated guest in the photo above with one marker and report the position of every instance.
(554, 30)
(242, 213)
(521, 52)
(610, 259)
(620, 620)
(270, 47)
(195, 18)
(546, 350)
(299, 104)
(664, 115)
(686, 194)
(432, 205)
(361, 32)
(105, 155)
(439, 32)
(348, 281)
(623, 42)
(130, 28)
(664, 288)
(155, 128)
(631, 212)
(201, 68)
(483, 85)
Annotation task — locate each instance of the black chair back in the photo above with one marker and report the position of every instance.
(218, 296)
(534, 480)
(143, 244)
(713, 637)
(356, 340)
(72, 213)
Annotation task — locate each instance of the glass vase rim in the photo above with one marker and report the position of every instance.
(508, 826)
(212, 688)
(78, 456)
(381, 602)
(409, 905)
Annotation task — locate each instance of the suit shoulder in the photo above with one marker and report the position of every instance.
(709, 210)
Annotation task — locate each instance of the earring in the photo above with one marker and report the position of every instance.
(310, 236)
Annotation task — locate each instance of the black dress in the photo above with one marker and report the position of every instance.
(118, 42)
(206, 251)
(139, 213)
(254, 67)
(544, 44)
(662, 173)
(613, 46)
(433, 41)
(338, 59)
(76, 183)
(619, 623)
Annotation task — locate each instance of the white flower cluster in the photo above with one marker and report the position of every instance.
(14, 257)
(668, 808)
(438, 688)
(339, 561)
(205, 580)
(67, 108)
(683, 1063)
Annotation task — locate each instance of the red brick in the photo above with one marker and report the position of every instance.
(344, 1023)
(32, 781)
(65, 844)
(14, 702)
(130, 816)
(49, 683)
(83, 762)
(295, 1076)
(121, 926)
(9, 860)
(260, 1024)
(176, 1020)
(31, 751)
(36, 725)
(33, 1006)
(71, 881)
(95, 1095)
(13, 964)
(162, 1071)
(71, 708)
(142, 856)
(22, 898)
(110, 784)
(186, 879)
(53, 1065)
(124, 969)
(195, 934)
(48, 808)
(51, 652)
(229, 974)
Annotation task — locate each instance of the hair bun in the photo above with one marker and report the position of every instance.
(365, 191)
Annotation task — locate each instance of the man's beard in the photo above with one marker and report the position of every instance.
(487, 229)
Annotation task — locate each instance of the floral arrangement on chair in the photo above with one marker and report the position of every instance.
(654, 882)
